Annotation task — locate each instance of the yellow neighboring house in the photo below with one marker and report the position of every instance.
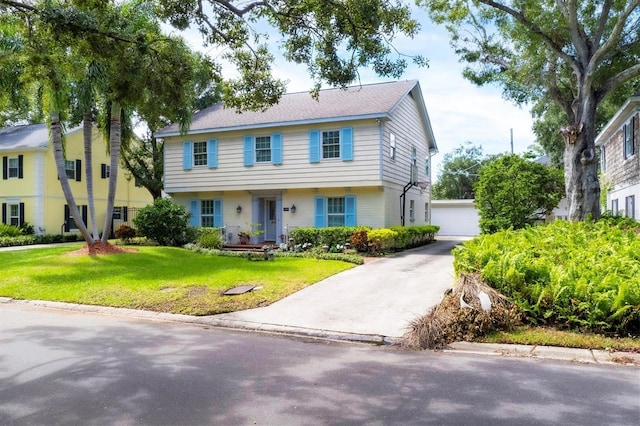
(30, 190)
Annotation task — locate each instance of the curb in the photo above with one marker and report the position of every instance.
(580, 356)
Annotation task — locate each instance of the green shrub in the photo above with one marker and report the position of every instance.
(583, 276)
(9, 231)
(210, 238)
(335, 235)
(305, 236)
(382, 240)
(165, 222)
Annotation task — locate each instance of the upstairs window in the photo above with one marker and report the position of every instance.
(331, 144)
(105, 171)
(204, 153)
(392, 146)
(12, 167)
(72, 169)
(263, 149)
(629, 137)
(199, 153)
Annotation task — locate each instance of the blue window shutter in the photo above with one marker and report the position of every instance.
(320, 213)
(350, 210)
(248, 151)
(314, 146)
(346, 143)
(217, 213)
(194, 208)
(212, 153)
(276, 148)
(187, 155)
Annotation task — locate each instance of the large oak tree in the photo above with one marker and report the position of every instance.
(572, 52)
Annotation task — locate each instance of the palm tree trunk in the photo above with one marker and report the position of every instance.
(114, 149)
(87, 127)
(58, 154)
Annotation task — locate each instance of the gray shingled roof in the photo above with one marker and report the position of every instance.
(366, 101)
(24, 137)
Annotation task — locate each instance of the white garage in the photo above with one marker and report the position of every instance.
(455, 217)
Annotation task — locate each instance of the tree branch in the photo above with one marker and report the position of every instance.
(602, 22)
(617, 81)
(233, 9)
(535, 30)
(614, 38)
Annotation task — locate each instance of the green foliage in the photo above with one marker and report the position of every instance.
(574, 54)
(333, 39)
(209, 238)
(165, 222)
(513, 193)
(583, 276)
(9, 231)
(459, 173)
(382, 239)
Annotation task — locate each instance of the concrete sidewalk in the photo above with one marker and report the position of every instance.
(379, 298)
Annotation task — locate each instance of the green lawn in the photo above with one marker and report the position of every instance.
(159, 279)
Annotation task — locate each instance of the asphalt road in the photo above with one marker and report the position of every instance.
(72, 368)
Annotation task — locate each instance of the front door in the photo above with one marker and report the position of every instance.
(270, 219)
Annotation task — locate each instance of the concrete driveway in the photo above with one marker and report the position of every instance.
(378, 298)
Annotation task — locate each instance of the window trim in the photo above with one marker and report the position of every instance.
(256, 150)
(335, 143)
(392, 146)
(630, 206)
(628, 138)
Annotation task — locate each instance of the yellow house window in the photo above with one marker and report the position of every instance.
(13, 167)
(14, 214)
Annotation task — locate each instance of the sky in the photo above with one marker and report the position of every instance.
(459, 111)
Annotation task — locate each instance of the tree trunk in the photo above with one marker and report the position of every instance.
(58, 154)
(114, 150)
(581, 166)
(87, 128)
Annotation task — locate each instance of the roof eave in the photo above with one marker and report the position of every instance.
(275, 124)
(630, 106)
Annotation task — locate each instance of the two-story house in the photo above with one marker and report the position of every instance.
(360, 156)
(619, 143)
(30, 190)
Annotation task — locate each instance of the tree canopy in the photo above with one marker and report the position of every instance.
(513, 192)
(573, 53)
(459, 173)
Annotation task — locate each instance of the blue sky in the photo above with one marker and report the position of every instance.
(459, 111)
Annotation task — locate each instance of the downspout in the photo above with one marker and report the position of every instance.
(381, 147)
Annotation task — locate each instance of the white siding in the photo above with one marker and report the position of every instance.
(295, 172)
(407, 127)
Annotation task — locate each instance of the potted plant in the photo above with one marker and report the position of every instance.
(245, 237)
